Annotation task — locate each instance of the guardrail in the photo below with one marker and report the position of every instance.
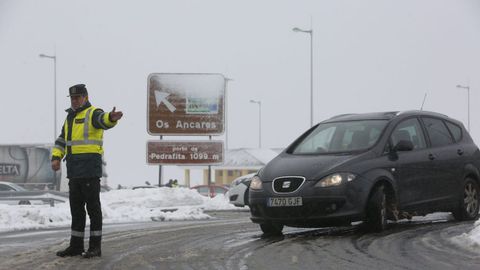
(45, 196)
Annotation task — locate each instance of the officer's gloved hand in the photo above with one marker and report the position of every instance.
(56, 165)
(115, 116)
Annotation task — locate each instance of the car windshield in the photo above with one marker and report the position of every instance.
(242, 179)
(17, 187)
(340, 137)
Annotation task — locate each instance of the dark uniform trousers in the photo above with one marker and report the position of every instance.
(85, 191)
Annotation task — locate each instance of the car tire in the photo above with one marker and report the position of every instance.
(469, 201)
(245, 197)
(376, 210)
(271, 228)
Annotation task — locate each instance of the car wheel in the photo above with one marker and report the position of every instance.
(376, 215)
(468, 202)
(271, 228)
(245, 197)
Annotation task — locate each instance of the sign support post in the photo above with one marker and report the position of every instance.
(160, 171)
(209, 171)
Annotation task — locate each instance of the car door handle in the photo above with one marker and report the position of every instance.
(431, 157)
(460, 152)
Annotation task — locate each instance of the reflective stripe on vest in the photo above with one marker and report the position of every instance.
(85, 142)
(100, 121)
(86, 125)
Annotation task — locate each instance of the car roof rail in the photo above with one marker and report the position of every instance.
(422, 112)
(341, 115)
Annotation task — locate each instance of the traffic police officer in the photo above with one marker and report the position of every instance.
(80, 142)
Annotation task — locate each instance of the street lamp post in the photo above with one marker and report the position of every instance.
(54, 58)
(296, 29)
(226, 112)
(259, 121)
(468, 100)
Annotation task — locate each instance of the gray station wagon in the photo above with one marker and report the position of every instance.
(369, 167)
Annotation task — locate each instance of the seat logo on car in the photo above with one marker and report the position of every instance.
(286, 184)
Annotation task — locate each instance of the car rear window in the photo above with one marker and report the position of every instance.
(203, 190)
(437, 132)
(219, 190)
(455, 130)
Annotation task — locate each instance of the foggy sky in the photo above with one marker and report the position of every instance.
(369, 56)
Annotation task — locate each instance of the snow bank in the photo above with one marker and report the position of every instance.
(471, 239)
(140, 205)
(23, 217)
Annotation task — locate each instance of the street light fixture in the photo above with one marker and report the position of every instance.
(259, 121)
(296, 29)
(468, 98)
(54, 58)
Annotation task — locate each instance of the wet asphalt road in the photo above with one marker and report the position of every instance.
(230, 241)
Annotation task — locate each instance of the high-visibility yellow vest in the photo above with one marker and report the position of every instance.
(85, 137)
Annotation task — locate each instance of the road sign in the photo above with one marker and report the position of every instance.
(185, 152)
(185, 104)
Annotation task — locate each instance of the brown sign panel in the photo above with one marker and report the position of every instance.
(185, 104)
(184, 152)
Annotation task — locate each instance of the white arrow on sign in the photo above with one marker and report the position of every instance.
(162, 97)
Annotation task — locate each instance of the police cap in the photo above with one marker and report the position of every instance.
(78, 90)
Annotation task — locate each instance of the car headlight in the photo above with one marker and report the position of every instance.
(256, 183)
(335, 179)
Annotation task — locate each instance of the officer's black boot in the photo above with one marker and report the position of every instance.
(95, 247)
(75, 248)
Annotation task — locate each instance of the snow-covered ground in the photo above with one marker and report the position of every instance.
(157, 204)
(118, 206)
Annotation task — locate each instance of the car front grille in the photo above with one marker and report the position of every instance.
(287, 184)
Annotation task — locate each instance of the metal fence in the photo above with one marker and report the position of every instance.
(25, 197)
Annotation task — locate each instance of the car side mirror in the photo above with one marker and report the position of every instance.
(403, 145)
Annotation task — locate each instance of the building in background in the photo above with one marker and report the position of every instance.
(237, 162)
(29, 165)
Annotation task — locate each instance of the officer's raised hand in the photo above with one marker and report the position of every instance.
(115, 116)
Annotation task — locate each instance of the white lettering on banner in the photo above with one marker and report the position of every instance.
(196, 125)
(166, 156)
(161, 124)
(180, 148)
(9, 169)
(203, 156)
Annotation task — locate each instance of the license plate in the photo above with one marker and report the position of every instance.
(284, 201)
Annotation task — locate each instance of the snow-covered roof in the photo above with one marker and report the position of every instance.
(243, 158)
(247, 158)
